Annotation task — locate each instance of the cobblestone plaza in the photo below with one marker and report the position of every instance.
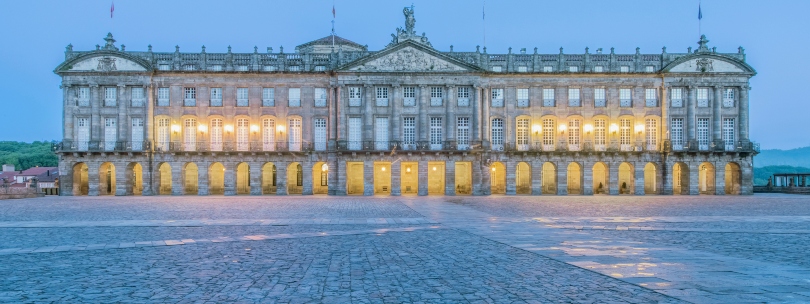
(494, 249)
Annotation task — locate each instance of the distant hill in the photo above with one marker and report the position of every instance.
(799, 157)
(26, 155)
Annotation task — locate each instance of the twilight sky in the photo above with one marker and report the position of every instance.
(35, 33)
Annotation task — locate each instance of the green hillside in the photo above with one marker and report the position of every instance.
(26, 155)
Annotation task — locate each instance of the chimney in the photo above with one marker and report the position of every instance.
(8, 168)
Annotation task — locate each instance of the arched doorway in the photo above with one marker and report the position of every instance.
(382, 178)
(626, 178)
(216, 179)
(706, 180)
(463, 178)
(320, 178)
(80, 180)
(164, 179)
(574, 178)
(680, 179)
(295, 178)
(549, 178)
(242, 178)
(650, 180)
(497, 178)
(134, 179)
(269, 178)
(106, 180)
(190, 174)
(733, 178)
(523, 178)
(600, 178)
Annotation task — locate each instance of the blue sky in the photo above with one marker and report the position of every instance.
(35, 33)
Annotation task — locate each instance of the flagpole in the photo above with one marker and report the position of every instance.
(484, 17)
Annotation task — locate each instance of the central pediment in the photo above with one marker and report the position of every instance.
(408, 57)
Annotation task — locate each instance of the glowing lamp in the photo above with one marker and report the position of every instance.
(536, 129)
(325, 168)
(382, 169)
(229, 128)
(254, 128)
(562, 128)
(588, 128)
(614, 128)
(639, 129)
(202, 128)
(434, 168)
(408, 169)
(493, 169)
(280, 128)
(175, 129)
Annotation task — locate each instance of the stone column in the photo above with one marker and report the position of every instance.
(306, 175)
(281, 177)
(537, 177)
(92, 178)
(122, 179)
(256, 178)
(423, 127)
(368, 112)
(476, 119)
(146, 180)
(690, 114)
(450, 178)
(511, 180)
(743, 108)
(396, 109)
(613, 177)
(368, 178)
(476, 168)
(95, 119)
(716, 127)
(177, 178)
(230, 177)
(202, 178)
(562, 178)
(587, 178)
(694, 178)
(719, 178)
(123, 123)
(337, 181)
(423, 178)
(485, 102)
(638, 177)
(667, 177)
(486, 180)
(449, 107)
(68, 107)
(396, 178)
(747, 176)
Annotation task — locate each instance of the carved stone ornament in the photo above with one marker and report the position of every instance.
(705, 65)
(106, 64)
(408, 59)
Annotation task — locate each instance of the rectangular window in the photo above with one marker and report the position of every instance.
(110, 95)
(216, 134)
(242, 97)
(163, 135)
(84, 97)
(137, 96)
(83, 133)
(574, 135)
(496, 135)
(268, 97)
(703, 133)
(573, 98)
(242, 134)
(677, 134)
(651, 96)
(522, 134)
(548, 134)
(320, 68)
(728, 133)
(522, 69)
(625, 134)
(436, 133)
(409, 132)
(624, 69)
(573, 69)
(497, 97)
(292, 68)
(382, 96)
(216, 97)
(216, 68)
(435, 96)
(625, 98)
(497, 69)
(354, 97)
(463, 97)
(649, 69)
(110, 133)
(703, 97)
(163, 97)
(164, 67)
(320, 97)
(463, 133)
(728, 97)
(598, 69)
(189, 97)
(548, 69)
(409, 95)
(599, 97)
(548, 97)
(599, 138)
(294, 97)
(188, 67)
(523, 98)
(381, 137)
(136, 138)
(320, 134)
(651, 132)
(190, 134)
(294, 139)
(677, 97)
(269, 134)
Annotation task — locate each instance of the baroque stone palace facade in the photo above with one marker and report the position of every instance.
(335, 118)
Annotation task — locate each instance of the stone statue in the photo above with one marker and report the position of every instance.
(410, 21)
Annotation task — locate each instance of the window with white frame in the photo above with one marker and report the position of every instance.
(703, 97)
(216, 97)
(190, 134)
(242, 134)
(651, 96)
(497, 69)
(188, 67)
(651, 133)
(320, 97)
(294, 97)
(189, 97)
(83, 96)
(216, 68)
(268, 97)
(110, 133)
(164, 67)
(649, 69)
(354, 97)
(625, 98)
(548, 97)
(269, 134)
(574, 135)
(436, 133)
(548, 134)
(435, 96)
(598, 69)
(244, 68)
(319, 134)
(216, 134)
(242, 97)
(496, 135)
(625, 133)
(463, 97)
(728, 133)
(294, 140)
(382, 96)
(270, 68)
(137, 96)
(599, 97)
(573, 69)
(523, 98)
(599, 132)
(676, 133)
(624, 69)
(320, 68)
(381, 136)
(728, 97)
(463, 133)
(703, 133)
(497, 97)
(548, 69)
(409, 132)
(409, 96)
(163, 97)
(163, 135)
(522, 134)
(677, 97)
(110, 96)
(573, 98)
(522, 69)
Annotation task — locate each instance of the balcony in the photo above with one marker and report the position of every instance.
(321, 102)
(68, 146)
(268, 102)
(463, 102)
(599, 103)
(370, 145)
(137, 102)
(713, 146)
(435, 101)
(190, 102)
(355, 102)
(408, 101)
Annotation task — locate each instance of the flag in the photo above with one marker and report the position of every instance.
(700, 13)
(112, 9)
(333, 11)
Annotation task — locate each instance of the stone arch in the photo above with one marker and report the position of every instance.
(164, 178)
(523, 178)
(574, 178)
(650, 178)
(600, 178)
(320, 178)
(549, 178)
(189, 177)
(295, 178)
(216, 179)
(497, 179)
(81, 184)
(626, 178)
(680, 178)
(243, 177)
(706, 182)
(269, 178)
(733, 178)
(106, 179)
(134, 174)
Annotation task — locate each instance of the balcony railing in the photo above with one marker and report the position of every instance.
(102, 146)
(370, 145)
(713, 146)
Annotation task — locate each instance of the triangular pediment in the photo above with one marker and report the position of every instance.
(104, 61)
(408, 57)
